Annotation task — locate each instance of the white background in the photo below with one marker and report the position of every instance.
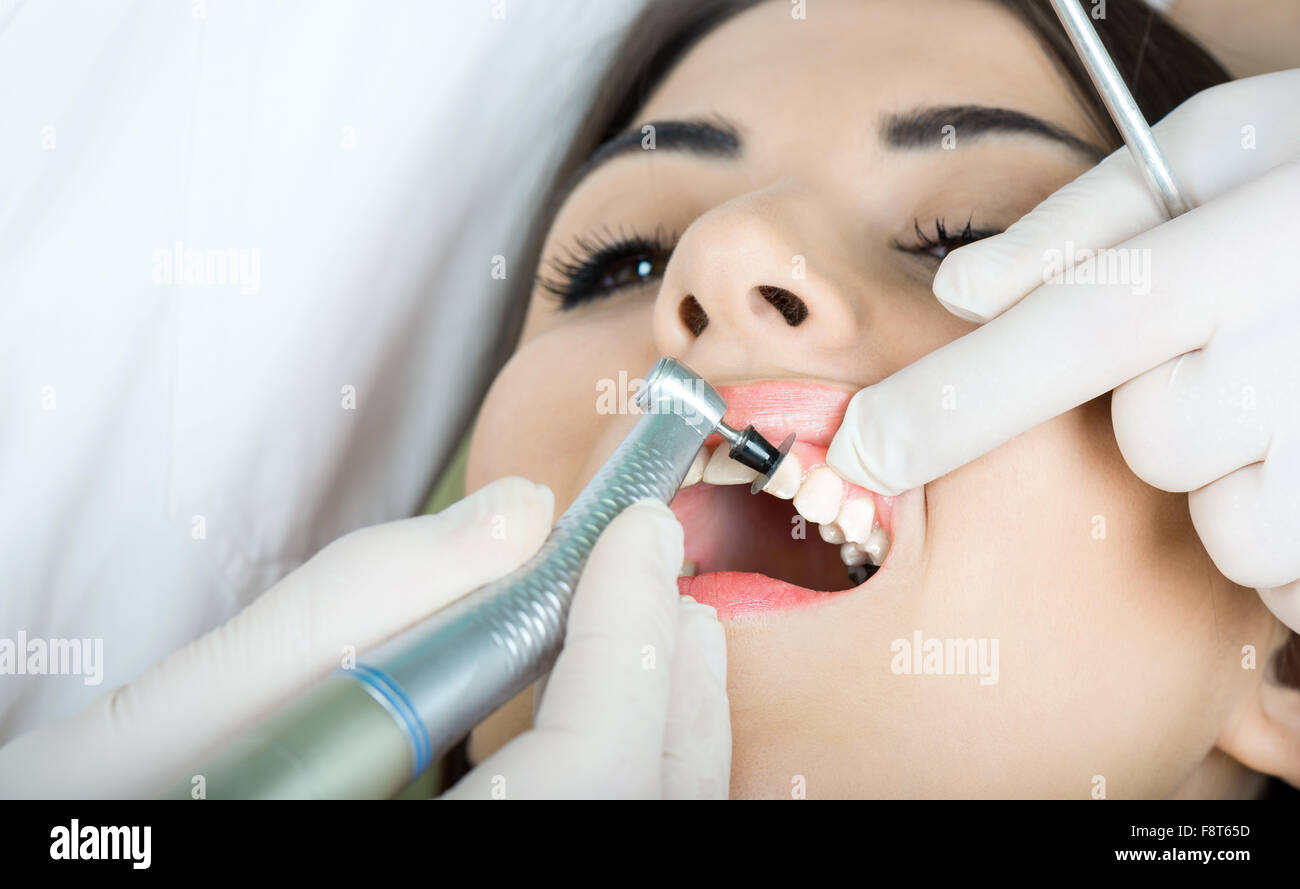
(377, 155)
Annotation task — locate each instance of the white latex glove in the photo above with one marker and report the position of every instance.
(355, 593)
(636, 705)
(1204, 366)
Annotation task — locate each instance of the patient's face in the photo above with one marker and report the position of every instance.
(1110, 646)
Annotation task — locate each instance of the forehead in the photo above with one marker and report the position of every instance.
(833, 73)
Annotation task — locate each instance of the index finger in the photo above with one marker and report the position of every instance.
(1063, 344)
(1205, 140)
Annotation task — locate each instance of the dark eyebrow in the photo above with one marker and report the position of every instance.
(703, 138)
(918, 128)
(923, 127)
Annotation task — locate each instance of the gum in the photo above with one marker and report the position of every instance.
(812, 457)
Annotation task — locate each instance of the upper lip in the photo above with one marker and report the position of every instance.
(812, 411)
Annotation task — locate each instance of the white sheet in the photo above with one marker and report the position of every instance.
(373, 157)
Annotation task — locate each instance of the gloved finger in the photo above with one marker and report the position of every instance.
(367, 586)
(1202, 415)
(697, 737)
(419, 565)
(600, 729)
(354, 594)
(1059, 347)
(1249, 520)
(1215, 141)
(1284, 602)
(982, 280)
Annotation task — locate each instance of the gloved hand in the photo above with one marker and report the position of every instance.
(1204, 364)
(360, 590)
(636, 705)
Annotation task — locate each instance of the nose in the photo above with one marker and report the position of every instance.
(757, 282)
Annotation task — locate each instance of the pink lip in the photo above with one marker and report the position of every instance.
(813, 412)
(740, 593)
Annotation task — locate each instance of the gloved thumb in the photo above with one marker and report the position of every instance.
(355, 593)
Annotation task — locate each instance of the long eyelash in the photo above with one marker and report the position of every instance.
(582, 258)
(968, 234)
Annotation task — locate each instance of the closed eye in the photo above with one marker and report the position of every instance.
(939, 242)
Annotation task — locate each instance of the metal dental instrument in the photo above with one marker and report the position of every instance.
(1123, 110)
(370, 730)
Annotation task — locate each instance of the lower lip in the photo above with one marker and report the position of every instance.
(739, 593)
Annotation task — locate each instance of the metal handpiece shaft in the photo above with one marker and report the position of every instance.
(1123, 109)
(369, 730)
(466, 661)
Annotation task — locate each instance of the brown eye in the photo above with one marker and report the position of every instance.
(635, 269)
(600, 267)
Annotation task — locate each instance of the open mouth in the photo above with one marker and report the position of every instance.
(807, 536)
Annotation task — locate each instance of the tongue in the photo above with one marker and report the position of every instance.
(729, 529)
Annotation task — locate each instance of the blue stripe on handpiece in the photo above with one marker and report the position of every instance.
(391, 692)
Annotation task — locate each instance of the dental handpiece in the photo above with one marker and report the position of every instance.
(369, 731)
(1132, 126)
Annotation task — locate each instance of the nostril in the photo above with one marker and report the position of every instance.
(693, 315)
(792, 308)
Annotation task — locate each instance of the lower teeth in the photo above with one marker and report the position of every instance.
(860, 574)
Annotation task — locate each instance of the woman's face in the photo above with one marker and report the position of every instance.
(1111, 648)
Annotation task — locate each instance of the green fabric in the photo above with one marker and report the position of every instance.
(451, 485)
(427, 786)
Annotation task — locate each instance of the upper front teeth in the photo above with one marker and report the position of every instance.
(722, 470)
(856, 518)
(696, 472)
(785, 482)
(818, 498)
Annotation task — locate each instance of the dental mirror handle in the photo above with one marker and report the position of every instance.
(369, 731)
(1123, 109)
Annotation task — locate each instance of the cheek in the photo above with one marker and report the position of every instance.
(1099, 601)
(1112, 623)
(542, 418)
